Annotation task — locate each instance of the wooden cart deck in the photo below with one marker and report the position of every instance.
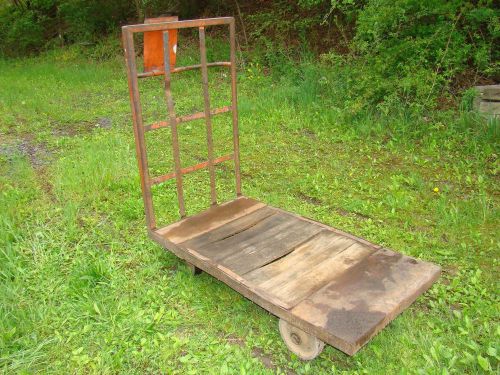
(338, 286)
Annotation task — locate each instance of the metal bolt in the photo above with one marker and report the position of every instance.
(295, 338)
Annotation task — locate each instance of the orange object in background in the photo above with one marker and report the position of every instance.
(153, 45)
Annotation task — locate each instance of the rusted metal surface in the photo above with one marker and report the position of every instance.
(167, 70)
(181, 119)
(140, 142)
(205, 22)
(208, 120)
(234, 103)
(153, 46)
(173, 127)
(179, 69)
(186, 170)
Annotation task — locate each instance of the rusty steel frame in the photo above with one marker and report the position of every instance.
(172, 122)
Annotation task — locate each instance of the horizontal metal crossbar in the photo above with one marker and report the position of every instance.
(160, 179)
(179, 69)
(178, 24)
(181, 119)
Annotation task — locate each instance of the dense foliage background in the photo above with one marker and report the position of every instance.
(419, 53)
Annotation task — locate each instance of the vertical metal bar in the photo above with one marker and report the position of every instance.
(173, 126)
(234, 103)
(208, 120)
(140, 143)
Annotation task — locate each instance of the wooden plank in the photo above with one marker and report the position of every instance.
(309, 267)
(229, 229)
(210, 219)
(491, 108)
(335, 230)
(270, 239)
(224, 246)
(356, 305)
(489, 92)
(309, 254)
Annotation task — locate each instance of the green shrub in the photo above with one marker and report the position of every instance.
(404, 54)
(30, 27)
(20, 31)
(90, 20)
(419, 46)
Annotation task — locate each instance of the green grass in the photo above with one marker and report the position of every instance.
(82, 289)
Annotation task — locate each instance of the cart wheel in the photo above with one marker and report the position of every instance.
(193, 269)
(306, 346)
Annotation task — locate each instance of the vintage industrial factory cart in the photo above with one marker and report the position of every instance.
(325, 285)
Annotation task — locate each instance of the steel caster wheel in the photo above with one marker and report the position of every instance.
(193, 269)
(304, 345)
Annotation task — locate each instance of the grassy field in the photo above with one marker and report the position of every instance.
(82, 289)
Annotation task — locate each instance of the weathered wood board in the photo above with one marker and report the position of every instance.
(490, 108)
(489, 92)
(358, 303)
(342, 287)
(308, 268)
(487, 100)
(209, 219)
